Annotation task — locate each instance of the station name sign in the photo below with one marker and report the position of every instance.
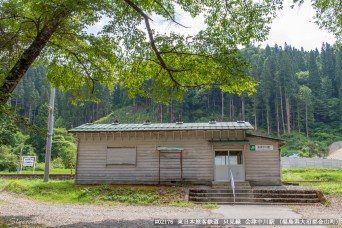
(260, 147)
(29, 161)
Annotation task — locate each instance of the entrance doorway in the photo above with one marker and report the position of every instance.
(229, 160)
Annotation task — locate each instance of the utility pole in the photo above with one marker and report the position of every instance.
(49, 136)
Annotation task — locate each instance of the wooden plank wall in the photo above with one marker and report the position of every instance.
(197, 156)
(263, 167)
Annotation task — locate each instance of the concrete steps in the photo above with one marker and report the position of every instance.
(244, 194)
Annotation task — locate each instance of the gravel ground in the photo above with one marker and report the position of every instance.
(17, 211)
(334, 210)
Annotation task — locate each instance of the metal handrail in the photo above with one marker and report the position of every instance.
(232, 184)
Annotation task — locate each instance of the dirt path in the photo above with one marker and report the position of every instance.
(18, 211)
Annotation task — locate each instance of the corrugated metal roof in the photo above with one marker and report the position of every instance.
(226, 142)
(266, 137)
(162, 127)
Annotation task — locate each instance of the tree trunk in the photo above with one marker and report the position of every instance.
(171, 111)
(268, 120)
(306, 120)
(16, 105)
(288, 113)
(29, 114)
(282, 110)
(231, 108)
(97, 111)
(208, 104)
(255, 114)
(277, 117)
(298, 118)
(26, 59)
(222, 106)
(161, 113)
(243, 108)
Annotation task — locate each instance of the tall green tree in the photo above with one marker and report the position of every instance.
(55, 33)
(314, 75)
(305, 97)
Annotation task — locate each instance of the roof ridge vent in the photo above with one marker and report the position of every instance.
(240, 121)
(147, 122)
(116, 122)
(212, 121)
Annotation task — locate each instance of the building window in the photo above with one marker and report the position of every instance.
(121, 155)
(228, 157)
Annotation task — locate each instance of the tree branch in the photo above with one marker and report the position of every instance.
(29, 56)
(152, 41)
(168, 13)
(80, 62)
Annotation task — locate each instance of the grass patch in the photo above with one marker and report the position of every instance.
(210, 206)
(329, 179)
(52, 171)
(182, 204)
(66, 192)
(294, 208)
(3, 202)
(311, 174)
(326, 187)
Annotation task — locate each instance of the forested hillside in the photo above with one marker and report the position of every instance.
(298, 98)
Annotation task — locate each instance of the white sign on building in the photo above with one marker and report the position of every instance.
(263, 147)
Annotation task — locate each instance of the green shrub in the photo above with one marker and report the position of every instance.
(57, 163)
(8, 161)
(40, 166)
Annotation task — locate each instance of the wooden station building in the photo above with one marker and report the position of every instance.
(197, 153)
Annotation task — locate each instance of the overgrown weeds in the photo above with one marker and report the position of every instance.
(68, 192)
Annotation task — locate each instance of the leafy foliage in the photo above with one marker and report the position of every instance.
(8, 160)
(161, 66)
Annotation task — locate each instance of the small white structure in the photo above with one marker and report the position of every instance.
(175, 152)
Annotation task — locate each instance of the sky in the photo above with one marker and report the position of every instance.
(296, 28)
(293, 26)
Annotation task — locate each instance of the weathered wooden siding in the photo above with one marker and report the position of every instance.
(197, 159)
(262, 167)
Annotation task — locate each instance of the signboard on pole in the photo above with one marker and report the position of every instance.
(28, 161)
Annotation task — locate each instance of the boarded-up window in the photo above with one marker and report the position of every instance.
(121, 155)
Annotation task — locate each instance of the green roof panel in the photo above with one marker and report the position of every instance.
(162, 127)
(218, 142)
